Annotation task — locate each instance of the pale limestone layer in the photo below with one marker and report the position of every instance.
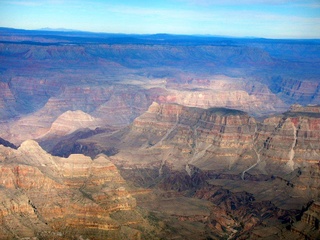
(71, 121)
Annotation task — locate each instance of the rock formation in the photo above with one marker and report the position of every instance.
(71, 121)
(270, 167)
(50, 197)
(308, 226)
(116, 80)
(185, 121)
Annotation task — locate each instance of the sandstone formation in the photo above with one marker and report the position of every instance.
(290, 141)
(50, 197)
(176, 136)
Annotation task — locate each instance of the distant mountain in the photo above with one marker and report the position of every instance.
(58, 29)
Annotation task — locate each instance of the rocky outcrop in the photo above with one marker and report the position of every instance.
(66, 124)
(71, 121)
(217, 138)
(175, 136)
(308, 226)
(46, 196)
(290, 141)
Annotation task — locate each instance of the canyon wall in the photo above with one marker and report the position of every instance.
(50, 197)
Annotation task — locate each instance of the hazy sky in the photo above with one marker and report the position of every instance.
(259, 18)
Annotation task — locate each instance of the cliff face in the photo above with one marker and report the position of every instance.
(246, 94)
(176, 136)
(218, 138)
(308, 226)
(295, 90)
(46, 196)
(291, 141)
(193, 135)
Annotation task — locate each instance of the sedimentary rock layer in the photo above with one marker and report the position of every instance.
(46, 196)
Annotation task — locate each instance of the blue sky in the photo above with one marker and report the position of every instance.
(258, 18)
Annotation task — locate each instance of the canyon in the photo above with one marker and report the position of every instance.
(111, 136)
(59, 198)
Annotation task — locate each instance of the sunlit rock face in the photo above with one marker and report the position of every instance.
(71, 121)
(46, 196)
(194, 134)
(217, 139)
(291, 141)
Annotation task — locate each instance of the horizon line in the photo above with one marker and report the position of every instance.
(66, 30)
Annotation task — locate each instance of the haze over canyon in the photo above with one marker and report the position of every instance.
(114, 136)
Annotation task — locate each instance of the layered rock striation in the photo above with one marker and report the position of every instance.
(181, 148)
(174, 135)
(291, 140)
(308, 227)
(50, 197)
(218, 138)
